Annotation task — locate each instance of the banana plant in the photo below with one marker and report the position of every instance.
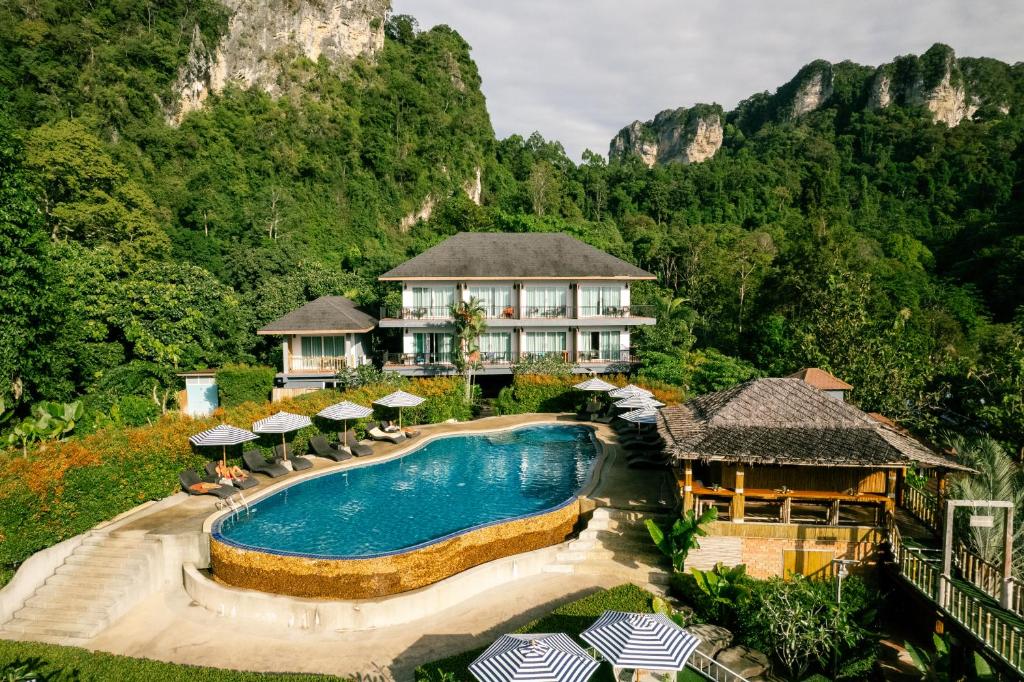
(722, 585)
(682, 536)
(48, 421)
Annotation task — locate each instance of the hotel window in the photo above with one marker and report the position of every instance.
(600, 301)
(541, 343)
(323, 346)
(596, 345)
(432, 301)
(545, 301)
(495, 346)
(496, 301)
(432, 347)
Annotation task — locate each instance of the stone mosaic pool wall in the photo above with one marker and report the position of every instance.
(391, 574)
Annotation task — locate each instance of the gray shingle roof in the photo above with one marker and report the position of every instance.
(786, 421)
(327, 314)
(503, 255)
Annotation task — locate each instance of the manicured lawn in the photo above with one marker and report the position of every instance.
(61, 663)
(572, 619)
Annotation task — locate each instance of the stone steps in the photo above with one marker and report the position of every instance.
(97, 584)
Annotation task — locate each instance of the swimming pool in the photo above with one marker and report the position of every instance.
(446, 487)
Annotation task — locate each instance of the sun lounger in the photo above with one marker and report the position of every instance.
(255, 461)
(281, 452)
(321, 448)
(193, 485)
(377, 434)
(240, 483)
(358, 449)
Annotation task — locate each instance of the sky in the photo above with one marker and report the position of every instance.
(578, 71)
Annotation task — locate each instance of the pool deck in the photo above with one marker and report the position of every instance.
(168, 625)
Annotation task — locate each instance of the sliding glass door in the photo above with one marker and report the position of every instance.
(600, 345)
(543, 343)
(432, 302)
(601, 301)
(495, 347)
(432, 348)
(496, 300)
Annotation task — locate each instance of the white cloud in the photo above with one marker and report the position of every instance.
(578, 71)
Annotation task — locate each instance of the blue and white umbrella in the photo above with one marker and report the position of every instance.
(630, 391)
(543, 658)
(594, 384)
(344, 411)
(643, 415)
(282, 422)
(639, 401)
(222, 435)
(640, 641)
(399, 399)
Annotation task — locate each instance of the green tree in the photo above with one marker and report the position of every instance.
(682, 536)
(469, 322)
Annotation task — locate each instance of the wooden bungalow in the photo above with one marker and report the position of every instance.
(781, 450)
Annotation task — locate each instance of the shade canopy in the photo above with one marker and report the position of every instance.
(399, 399)
(639, 401)
(629, 391)
(345, 410)
(643, 415)
(641, 640)
(222, 435)
(547, 658)
(594, 384)
(282, 422)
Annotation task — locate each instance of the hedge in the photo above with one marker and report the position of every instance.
(64, 488)
(237, 384)
(52, 662)
(547, 393)
(572, 619)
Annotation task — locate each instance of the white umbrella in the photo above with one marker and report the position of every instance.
(648, 641)
(629, 391)
(344, 411)
(282, 422)
(399, 399)
(222, 435)
(644, 415)
(639, 401)
(544, 658)
(594, 385)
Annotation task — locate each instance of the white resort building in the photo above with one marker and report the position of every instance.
(543, 294)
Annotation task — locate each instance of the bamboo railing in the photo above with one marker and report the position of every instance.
(988, 578)
(924, 506)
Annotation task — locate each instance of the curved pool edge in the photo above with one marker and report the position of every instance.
(411, 568)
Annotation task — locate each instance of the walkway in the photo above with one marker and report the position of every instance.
(166, 625)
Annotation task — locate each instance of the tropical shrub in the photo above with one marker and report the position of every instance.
(717, 593)
(682, 536)
(237, 384)
(549, 393)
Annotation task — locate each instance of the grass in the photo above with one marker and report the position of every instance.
(572, 619)
(52, 663)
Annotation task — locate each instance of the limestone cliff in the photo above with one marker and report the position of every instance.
(674, 136)
(264, 36)
(934, 81)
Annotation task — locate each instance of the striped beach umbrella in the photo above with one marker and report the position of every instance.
(344, 411)
(630, 391)
(222, 435)
(543, 658)
(643, 415)
(641, 641)
(399, 399)
(594, 384)
(639, 401)
(282, 422)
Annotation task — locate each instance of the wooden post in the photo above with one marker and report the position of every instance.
(738, 510)
(787, 509)
(687, 486)
(890, 489)
(833, 514)
(1007, 591)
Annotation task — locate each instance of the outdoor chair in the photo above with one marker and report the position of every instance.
(281, 452)
(193, 485)
(321, 448)
(240, 483)
(376, 433)
(358, 449)
(256, 462)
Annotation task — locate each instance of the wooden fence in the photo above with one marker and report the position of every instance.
(924, 506)
(988, 578)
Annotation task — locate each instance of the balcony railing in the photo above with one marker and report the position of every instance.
(605, 355)
(414, 359)
(526, 312)
(318, 364)
(491, 358)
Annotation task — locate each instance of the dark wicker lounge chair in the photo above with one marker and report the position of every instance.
(282, 452)
(358, 449)
(240, 483)
(256, 462)
(321, 448)
(189, 478)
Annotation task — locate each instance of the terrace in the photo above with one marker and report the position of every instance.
(585, 360)
(639, 313)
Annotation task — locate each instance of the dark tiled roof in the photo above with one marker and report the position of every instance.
(501, 255)
(821, 379)
(786, 421)
(327, 314)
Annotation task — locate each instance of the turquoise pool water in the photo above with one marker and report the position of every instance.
(444, 487)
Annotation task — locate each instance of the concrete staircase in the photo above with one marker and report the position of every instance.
(616, 543)
(98, 583)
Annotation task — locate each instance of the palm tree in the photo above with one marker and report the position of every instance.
(469, 325)
(998, 478)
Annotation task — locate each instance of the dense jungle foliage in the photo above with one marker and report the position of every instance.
(874, 243)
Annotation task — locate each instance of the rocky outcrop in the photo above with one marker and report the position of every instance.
(813, 88)
(474, 188)
(744, 661)
(713, 638)
(674, 136)
(264, 36)
(933, 81)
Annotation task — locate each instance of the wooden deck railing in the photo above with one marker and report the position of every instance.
(988, 578)
(986, 622)
(924, 506)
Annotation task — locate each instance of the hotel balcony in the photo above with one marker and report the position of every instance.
(423, 364)
(525, 316)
